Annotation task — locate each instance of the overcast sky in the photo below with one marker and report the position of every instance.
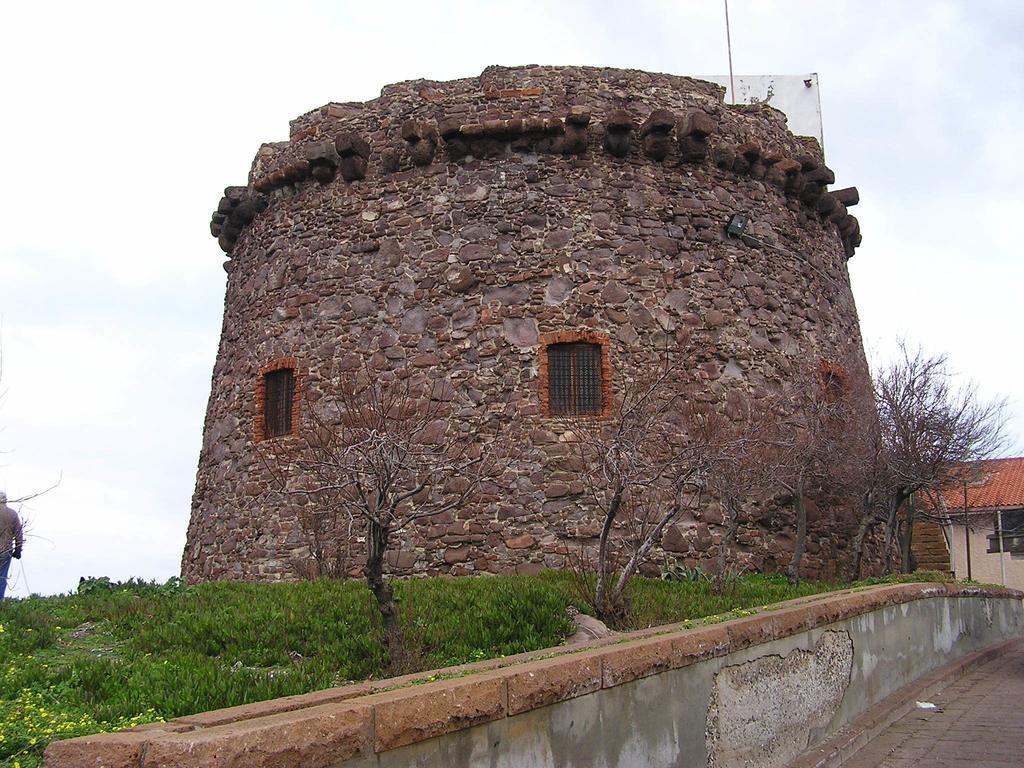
(122, 123)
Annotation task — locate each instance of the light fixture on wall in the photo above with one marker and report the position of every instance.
(737, 225)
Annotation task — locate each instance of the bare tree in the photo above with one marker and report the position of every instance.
(738, 464)
(849, 458)
(640, 470)
(810, 447)
(929, 426)
(868, 477)
(327, 530)
(382, 451)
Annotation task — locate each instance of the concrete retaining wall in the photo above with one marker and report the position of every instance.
(753, 691)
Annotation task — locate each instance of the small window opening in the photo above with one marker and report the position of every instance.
(574, 379)
(278, 389)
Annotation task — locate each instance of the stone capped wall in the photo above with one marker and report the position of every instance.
(449, 228)
(753, 691)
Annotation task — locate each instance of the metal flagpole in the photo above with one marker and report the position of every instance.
(967, 531)
(1002, 562)
(728, 43)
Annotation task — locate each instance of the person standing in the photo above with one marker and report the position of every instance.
(11, 540)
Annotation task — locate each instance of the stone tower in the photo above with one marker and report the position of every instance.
(508, 229)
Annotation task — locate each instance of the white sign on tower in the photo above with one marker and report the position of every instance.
(796, 96)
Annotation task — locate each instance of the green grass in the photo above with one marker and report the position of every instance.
(664, 602)
(116, 655)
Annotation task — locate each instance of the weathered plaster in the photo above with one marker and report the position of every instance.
(762, 712)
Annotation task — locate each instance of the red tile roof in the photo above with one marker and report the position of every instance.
(993, 483)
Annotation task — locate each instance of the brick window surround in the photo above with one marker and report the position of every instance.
(278, 364)
(575, 337)
(833, 381)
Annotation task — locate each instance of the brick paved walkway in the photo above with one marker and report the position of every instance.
(981, 724)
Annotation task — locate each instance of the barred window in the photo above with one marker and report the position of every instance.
(278, 393)
(574, 379)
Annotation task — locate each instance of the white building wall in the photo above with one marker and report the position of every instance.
(796, 96)
(984, 567)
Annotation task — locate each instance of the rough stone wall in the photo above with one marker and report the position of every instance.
(446, 228)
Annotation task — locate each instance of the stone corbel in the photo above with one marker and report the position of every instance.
(655, 134)
(354, 152)
(618, 127)
(421, 141)
(692, 134)
(235, 211)
(576, 122)
(323, 160)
